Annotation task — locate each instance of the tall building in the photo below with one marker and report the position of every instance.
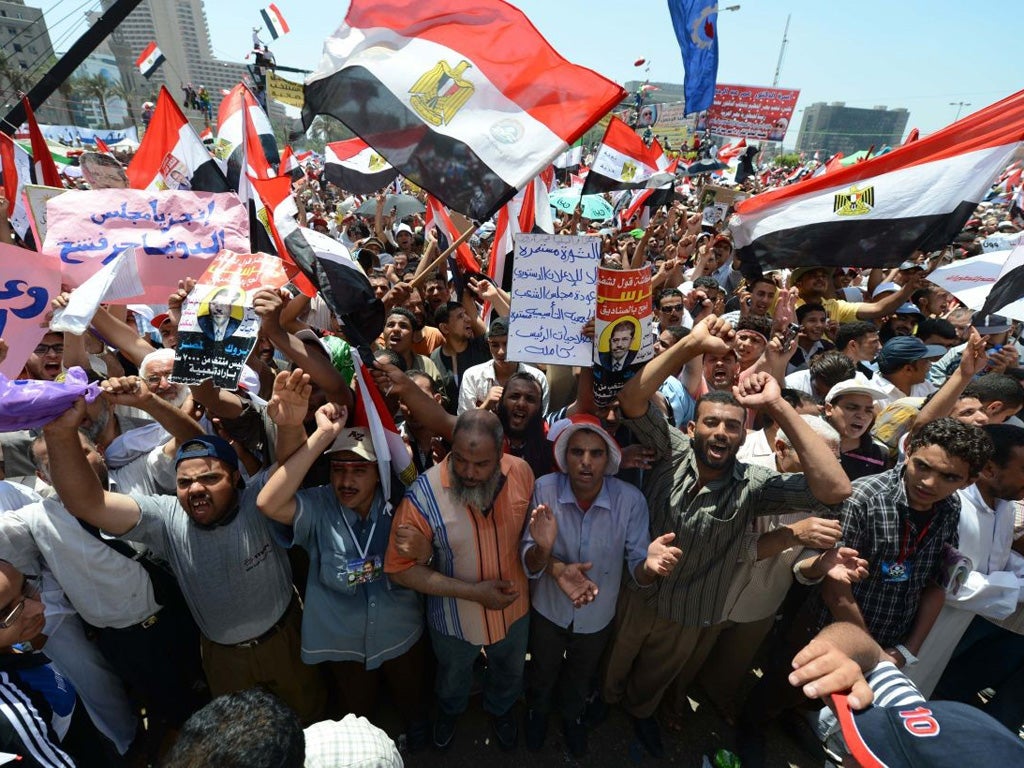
(25, 53)
(831, 128)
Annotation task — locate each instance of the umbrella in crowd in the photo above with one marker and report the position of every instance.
(595, 207)
(403, 205)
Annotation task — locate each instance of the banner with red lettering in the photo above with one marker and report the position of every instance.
(750, 111)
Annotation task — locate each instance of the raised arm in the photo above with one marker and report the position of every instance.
(277, 498)
(422, 406)
(132, 391)
(75, 481)
(972, 361)
(825, 476)
(890, 303)
(121, 335)
(287, 409)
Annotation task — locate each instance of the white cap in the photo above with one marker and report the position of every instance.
(566, 428)
(855, 386)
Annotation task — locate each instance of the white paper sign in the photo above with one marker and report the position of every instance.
(554, 290)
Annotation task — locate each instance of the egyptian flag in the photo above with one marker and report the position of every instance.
(241, 116)
(16, 170)
(437, 216)
(290, 164)
(276, 25)
(42, 160)
(730, 152)
(172, 151)
(624, 162)
(356, 168)
(529, 211)
(325, 263)
(149, 60)
(467, 101)
(371, 412)
(207, 135)
(878, 212)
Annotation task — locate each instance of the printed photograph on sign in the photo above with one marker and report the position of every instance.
(622, 324)
(174, 174)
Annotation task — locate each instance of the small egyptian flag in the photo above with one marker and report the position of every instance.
(150, 60)
(276, 25)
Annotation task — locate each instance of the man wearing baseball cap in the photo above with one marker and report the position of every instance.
(814, 286)
(235, 579)
(903, 364)
(364, 630)
(584, 523)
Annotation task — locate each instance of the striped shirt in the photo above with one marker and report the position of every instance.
(709, 520)
(469, 546)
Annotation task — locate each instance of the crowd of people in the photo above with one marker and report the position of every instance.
(818, 475)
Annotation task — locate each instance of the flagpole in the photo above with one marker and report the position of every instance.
(422, 276)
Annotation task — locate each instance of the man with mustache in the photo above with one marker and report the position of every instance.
(697, 490)
(235, 578)
(471, 508)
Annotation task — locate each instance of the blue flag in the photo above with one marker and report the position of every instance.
(696, 26)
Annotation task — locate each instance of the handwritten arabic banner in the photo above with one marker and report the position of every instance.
(28, 281)
(554, 285)
(285, 91)
(622, 324)
(177, 233)
(218, 325)
(751, 112)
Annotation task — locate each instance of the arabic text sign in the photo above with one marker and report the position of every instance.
(176, 232)
(28, 282)
(554, 284)
(624, 309)
(218, 324)
(750, 111)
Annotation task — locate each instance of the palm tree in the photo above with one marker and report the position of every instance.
(99, 87)
(13, 77)
(121, 90)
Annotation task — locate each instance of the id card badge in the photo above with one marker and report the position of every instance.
(364, 570)
(894, 573)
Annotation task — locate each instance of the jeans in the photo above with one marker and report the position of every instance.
(503, 680)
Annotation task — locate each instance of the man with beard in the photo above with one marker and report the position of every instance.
(698, 491)
(471, 508)
(235, 579)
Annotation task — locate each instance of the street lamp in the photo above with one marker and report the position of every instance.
(959, 106)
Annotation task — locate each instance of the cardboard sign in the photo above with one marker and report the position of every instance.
(28, 282)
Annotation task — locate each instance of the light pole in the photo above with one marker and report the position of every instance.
(959, 107)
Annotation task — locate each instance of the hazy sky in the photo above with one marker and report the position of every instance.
(903, 53)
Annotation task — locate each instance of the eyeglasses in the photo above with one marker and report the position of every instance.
(43, 349)
(28, 589)
(673, 309)
(154, 380)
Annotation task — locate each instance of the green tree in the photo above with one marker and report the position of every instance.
(12, 77)
(788, 160)
(122, 91)
(99, 87)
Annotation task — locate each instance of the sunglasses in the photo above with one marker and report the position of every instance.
(28, 589)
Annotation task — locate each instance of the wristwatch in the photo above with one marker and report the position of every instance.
(910, 658)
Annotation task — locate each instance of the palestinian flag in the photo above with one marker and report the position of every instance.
(149, 60)
(437, 216)
(42, 160)
(325, 264)
(276, 25)
(241, 116)
(356, 168)
(624, 162)
(172, 156)
(467, 102)
(878, 212)
(16, 170)
(371, 412)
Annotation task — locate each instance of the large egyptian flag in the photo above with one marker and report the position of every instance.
(326, 264)
(876, 213)
(467, 101)
(240, 121)
(172, 156)
(356, 167)
(623, 161)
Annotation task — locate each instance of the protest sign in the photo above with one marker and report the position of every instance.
(218, 324)
(554, 285)
(285, 91)
(622, 329)
(36, 197)
(177, 233)
(28, 282)
(751, 112)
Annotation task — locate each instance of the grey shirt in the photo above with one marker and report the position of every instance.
(235, 578)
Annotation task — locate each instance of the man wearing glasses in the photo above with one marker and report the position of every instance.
(46, 361)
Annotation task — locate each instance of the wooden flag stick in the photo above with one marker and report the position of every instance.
(422, 276)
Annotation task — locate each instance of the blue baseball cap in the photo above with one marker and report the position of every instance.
(903, 350)
(207, 445)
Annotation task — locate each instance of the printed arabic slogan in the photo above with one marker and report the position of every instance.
(554, 285)
(751, 112)
(28, 281)
(218, 325)
(177, 233)
(622, 329)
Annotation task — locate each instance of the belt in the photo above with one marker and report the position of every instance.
(270, 632)
(144, 624)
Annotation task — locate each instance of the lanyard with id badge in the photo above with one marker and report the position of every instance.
(362, 569)
(899, 571)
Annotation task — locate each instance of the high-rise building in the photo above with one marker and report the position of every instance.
(831, 128)
(25, 53)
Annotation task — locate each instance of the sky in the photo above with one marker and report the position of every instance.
(909, 53)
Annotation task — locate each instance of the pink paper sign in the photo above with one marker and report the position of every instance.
(177, 233)
(28, 282)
